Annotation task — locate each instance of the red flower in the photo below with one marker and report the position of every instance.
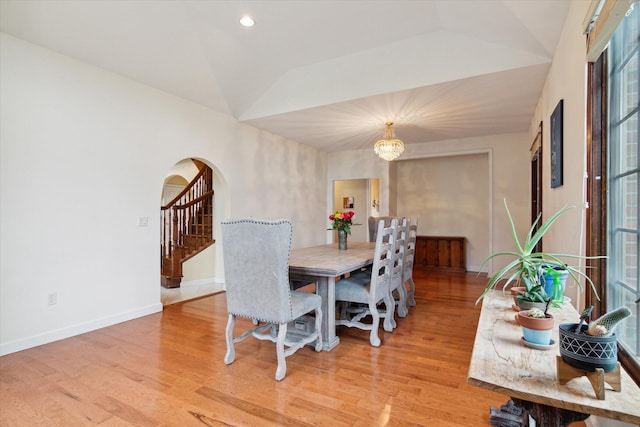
(342, 221)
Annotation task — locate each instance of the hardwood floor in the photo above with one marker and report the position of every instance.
(167, 369)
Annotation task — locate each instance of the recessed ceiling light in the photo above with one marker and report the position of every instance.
(247, 21)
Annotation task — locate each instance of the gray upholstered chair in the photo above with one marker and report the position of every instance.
(373, 225)
(410, 253)
(256, 263)
(360, 294)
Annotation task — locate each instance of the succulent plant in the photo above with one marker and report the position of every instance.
(537, 313)
(605, 324)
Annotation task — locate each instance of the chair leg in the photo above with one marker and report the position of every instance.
(231, 351)
(390, 306)
(319, 329)
(412, 291)
(374, 339)
(281, 371)
(402, 301)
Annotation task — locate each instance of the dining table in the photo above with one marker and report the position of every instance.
(322, 265)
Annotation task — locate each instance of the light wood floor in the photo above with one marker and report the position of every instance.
(167, 369)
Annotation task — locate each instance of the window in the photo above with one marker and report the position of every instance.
(613, 218)
(623, 219)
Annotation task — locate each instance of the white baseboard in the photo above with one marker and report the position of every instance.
(70, 331)
(200, 282)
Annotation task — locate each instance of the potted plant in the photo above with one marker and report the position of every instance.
(592, 346)
(537, 327)
(528, 267)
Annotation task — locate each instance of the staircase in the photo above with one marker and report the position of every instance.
(187, 225)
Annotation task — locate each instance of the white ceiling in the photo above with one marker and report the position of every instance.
(324, 73)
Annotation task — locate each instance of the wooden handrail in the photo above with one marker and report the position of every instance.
(188, 188)
(191, 203)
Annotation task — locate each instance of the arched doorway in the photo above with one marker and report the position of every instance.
(188, 230)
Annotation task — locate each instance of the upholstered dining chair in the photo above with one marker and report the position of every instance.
(359, 294)
(373, 225)
(256, 263)
(410, 253)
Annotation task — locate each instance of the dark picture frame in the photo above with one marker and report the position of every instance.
(556, 145)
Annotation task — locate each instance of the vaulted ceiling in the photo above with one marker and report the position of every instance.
(325, 73)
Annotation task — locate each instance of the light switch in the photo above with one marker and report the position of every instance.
(143, 221)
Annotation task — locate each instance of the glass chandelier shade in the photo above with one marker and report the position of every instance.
(389, 148)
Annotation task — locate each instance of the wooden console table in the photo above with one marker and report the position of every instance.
(500, 362)
(444, 253)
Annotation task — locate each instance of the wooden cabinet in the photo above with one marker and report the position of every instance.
(440, 253)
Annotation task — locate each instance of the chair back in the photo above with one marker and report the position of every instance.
(256, 267)
(410, 251)
(400, 239)
(382, 260)
(373, 224)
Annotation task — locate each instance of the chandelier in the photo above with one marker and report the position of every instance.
(389, 148)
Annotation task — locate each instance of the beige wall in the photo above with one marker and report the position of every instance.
(507, 177)
(449, 195)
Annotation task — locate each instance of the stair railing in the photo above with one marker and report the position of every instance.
(190, 214)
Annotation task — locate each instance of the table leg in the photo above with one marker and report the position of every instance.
(549, 416)
(327, 290)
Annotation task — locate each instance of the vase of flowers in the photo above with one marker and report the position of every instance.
(342, 221)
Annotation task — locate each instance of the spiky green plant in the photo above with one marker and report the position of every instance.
(605, 324)
(527, 264)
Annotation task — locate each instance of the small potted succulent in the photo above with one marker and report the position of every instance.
(537, 326)
(529, 267)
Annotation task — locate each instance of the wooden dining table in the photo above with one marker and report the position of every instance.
(321, 265)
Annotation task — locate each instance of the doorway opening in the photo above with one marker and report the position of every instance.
(362, 196)
(193, 203)
(536, 181)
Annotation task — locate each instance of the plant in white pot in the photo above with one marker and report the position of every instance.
(527, 266)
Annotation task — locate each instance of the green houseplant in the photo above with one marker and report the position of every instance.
(528, 266)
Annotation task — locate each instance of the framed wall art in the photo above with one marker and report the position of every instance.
(556, 146)
(347, 202)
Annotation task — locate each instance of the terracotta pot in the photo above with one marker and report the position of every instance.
(517, 290)
(536, 330)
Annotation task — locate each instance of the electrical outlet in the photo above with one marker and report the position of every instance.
(53, 298)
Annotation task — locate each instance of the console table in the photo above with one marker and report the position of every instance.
(444, 253)
(500, 362)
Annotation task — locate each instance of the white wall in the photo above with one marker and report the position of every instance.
(83, 153)
(566, 81)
